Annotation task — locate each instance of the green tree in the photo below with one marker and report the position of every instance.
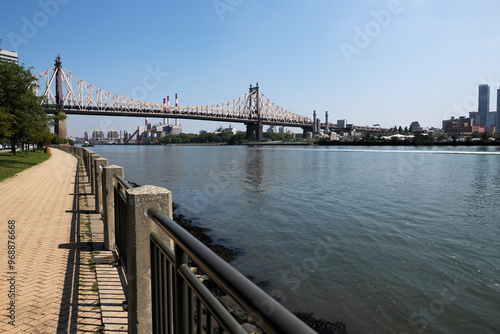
(238, 138)
(21, 114)
(225, 137)
(6, 122)
(476, 134)
(442, 137)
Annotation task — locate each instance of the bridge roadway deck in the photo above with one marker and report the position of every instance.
(180, 115)
(53, 278)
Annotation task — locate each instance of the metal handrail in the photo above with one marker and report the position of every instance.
(122, 186)
(124, 183)
(267, 312)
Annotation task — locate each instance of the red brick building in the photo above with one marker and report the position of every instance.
(461, 125)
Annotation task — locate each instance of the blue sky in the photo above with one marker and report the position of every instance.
(388, 62)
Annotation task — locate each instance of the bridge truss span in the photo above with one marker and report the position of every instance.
(77, 96)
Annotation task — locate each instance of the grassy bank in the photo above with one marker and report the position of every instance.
(11, 165)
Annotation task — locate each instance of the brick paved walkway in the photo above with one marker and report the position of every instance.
(53, 279)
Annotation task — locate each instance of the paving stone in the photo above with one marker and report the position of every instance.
(51, 259)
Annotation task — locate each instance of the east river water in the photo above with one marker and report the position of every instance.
(384, 239)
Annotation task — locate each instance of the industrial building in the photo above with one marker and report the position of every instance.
(152, 132)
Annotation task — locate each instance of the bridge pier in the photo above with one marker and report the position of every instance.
(254, 131)
(60, 127)
(60, 123)
(307, 132)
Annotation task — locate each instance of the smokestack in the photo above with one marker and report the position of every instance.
(327, 130)
(146, 121)
(498, 110)
(314, 123)
(168, 104)
(165, 109)
(176, 104)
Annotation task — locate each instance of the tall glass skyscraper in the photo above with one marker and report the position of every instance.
(484, 103)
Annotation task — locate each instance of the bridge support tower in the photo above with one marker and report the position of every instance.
(60, 124)
(254, 128)
(254, 131)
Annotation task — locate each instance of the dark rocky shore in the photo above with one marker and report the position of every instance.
(319, 325)
(200, 233)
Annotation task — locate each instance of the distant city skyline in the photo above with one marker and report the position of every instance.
(371, 62)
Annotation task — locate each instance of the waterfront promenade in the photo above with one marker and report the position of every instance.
(51, 285)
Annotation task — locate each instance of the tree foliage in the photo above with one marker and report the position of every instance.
(220, 138)
(277, 136)
(22, 119)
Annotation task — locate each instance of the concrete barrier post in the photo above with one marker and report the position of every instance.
(79, 151)
(87, 164)
(91, 172)
(99, 164)
(109, 182)
(86, 160)
(140, 226)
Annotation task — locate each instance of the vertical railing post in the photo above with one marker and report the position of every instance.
(99, 164)
(181, 316)
(109, 174)
(138, 265)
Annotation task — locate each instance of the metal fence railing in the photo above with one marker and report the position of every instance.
(195, 306)
(121, 230)
(180, 301)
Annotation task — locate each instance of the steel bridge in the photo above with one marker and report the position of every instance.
(65, 93)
